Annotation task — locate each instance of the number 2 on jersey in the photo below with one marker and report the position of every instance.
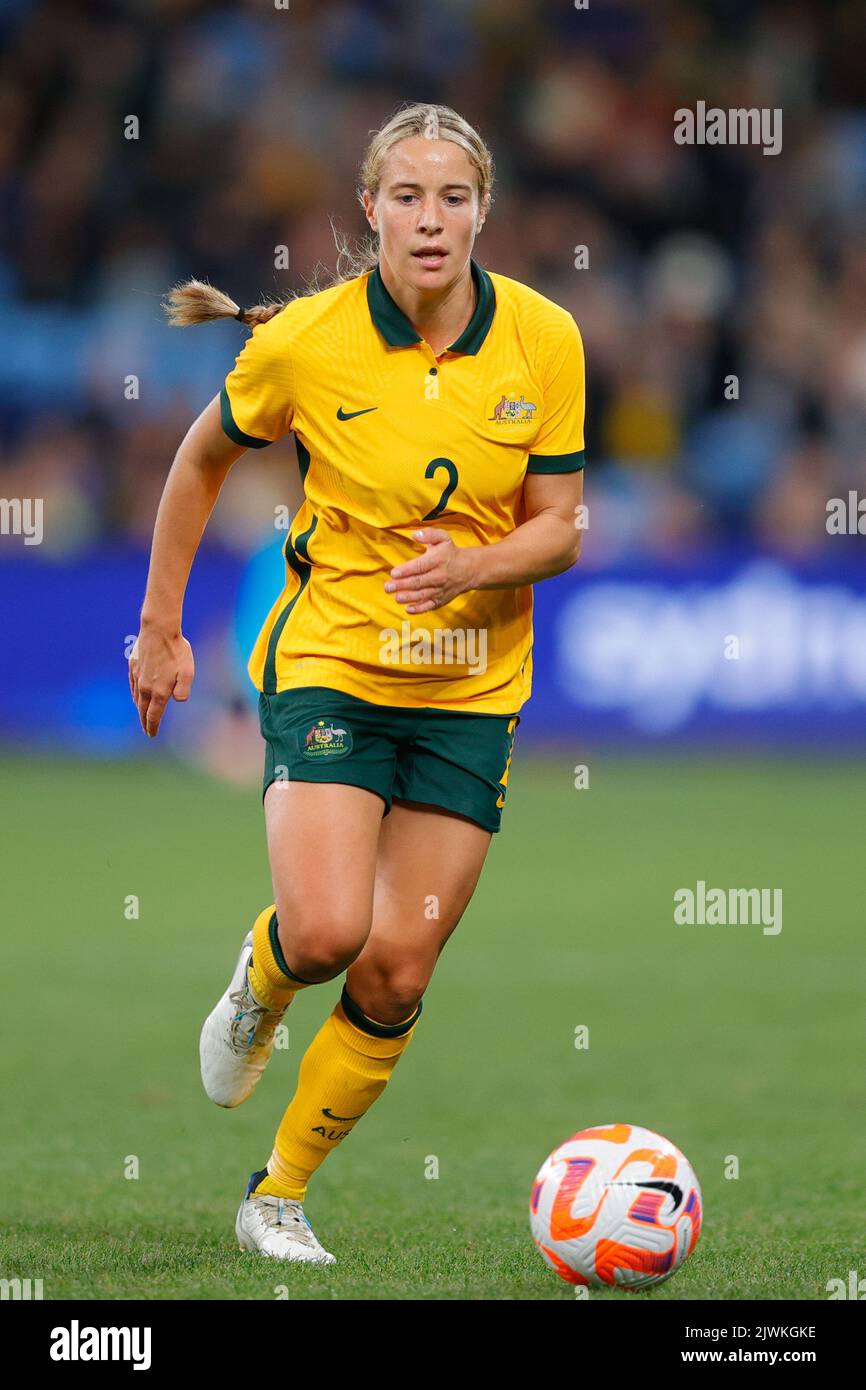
(451, 470)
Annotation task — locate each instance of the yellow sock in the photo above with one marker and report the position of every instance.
(346, 1067)
(273, 982)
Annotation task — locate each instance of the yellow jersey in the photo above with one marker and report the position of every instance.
(389, 438)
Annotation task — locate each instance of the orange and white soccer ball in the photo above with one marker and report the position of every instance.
(615, 1205)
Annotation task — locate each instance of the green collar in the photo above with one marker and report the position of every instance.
(397, 331)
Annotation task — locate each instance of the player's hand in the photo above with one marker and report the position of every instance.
(161, 668)
(434, 578)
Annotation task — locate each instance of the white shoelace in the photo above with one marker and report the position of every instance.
(249, 1017)
(287, 1213)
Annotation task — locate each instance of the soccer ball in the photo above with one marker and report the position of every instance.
(615, 1205)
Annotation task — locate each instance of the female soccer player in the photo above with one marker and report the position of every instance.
(437, 408)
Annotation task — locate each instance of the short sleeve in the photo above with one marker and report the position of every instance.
(257, 400)
(558, 446)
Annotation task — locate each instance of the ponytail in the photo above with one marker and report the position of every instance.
(196, 302)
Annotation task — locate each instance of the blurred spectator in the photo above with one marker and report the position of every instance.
(139, 148)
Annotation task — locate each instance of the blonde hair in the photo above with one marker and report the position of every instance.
(195, 301)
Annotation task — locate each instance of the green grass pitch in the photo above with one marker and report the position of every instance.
(726, 1040)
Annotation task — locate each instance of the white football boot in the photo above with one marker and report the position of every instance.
(237, 1038)
(277, 1227)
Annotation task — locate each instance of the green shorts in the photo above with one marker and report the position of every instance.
(452, 759)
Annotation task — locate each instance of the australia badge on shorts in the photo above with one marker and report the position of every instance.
(325, 739)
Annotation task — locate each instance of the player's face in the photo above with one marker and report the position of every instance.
(426, 212)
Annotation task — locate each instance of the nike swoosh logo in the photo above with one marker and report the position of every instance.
(671, 1187)
(342, 1117)
(350, 415)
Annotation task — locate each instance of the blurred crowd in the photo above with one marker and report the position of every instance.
(722, 305)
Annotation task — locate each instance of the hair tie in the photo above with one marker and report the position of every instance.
(240, 315)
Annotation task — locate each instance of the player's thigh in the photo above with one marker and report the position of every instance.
(428, 866)
(322, 844)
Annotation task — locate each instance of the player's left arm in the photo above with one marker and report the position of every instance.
(547, 541)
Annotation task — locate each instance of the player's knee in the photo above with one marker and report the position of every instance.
(318, 945)
(394, 995)
(323, 960)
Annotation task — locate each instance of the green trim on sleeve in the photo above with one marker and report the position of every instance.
(556, 463)
(248, 441)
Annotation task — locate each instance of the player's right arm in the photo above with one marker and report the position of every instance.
(254, 408)
(161, 664)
